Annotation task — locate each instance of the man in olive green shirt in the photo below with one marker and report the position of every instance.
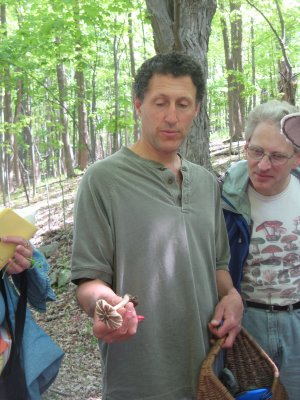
(149, 223)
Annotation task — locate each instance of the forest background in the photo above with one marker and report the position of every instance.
(66, 70)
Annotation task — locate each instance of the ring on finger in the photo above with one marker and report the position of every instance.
(27, 244)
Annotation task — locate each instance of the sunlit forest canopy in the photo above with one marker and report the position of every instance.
(66, 71)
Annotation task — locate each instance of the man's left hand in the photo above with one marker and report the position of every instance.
(227, 317)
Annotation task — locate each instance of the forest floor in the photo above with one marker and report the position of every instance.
(79, 377)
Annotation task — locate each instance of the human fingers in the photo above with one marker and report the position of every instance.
(230, 337)
(24, 252)
(21, 260)
(216, 327)
(128, 327)
(217, 321)
(15, 267)
(130, 321)
(18, 240)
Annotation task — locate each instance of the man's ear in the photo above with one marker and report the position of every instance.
(245, 149)
(138, 104)
(297, 160)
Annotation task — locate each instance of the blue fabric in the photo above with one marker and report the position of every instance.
(41, 356)
(239, 240)
(39, 289)
(2, 309)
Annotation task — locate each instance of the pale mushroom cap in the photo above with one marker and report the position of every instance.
(108, 314)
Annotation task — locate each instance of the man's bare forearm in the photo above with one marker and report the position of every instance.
(224, 284)
(89, 291)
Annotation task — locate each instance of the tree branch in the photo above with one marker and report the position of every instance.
(280, 40)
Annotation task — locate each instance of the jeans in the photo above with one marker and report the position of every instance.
(278, 333)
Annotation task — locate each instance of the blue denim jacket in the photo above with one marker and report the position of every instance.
(41, 356)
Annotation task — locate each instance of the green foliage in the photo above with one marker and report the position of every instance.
(42, 34)
(267, 53)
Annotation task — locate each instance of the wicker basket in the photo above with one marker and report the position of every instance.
(250, 365)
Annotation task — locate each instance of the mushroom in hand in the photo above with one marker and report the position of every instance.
(109, 314)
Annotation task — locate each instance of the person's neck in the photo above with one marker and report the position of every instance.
(169, 160)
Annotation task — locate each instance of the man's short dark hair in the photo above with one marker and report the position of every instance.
(176, 64)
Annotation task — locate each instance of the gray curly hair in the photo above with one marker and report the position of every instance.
(272, 111)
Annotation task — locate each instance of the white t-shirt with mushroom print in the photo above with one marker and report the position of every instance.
(272, 270)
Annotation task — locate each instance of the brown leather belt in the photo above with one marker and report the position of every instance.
(273, 307)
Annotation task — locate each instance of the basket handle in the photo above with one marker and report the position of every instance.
(213, 352)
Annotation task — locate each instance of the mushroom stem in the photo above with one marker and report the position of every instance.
(122, 303)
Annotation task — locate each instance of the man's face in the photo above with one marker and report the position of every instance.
(167, 113)
(266, 178)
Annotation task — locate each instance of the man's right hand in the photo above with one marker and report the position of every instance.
(126, 330)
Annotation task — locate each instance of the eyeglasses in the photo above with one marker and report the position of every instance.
(276, 159)
(290, 127)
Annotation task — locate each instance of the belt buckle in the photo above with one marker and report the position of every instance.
(288, 308)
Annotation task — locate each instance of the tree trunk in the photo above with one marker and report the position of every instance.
(93, 114)
(116, 133)
(68, 153)
(8, 119)
(132, 70)
(83, 153)
(29, 139)
(185, 26)
(83, 149)
(2, 163)
(234, 68)
(17, 113)
(253, 65)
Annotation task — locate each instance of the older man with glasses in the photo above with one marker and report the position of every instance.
(261, 203)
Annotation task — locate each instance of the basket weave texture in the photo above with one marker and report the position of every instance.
(250, 365)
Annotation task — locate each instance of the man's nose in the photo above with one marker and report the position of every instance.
(265, 162)
(171, 114)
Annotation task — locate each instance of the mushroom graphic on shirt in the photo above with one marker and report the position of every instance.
(272, 229)
(255, 242)
(290, 259)
(272, 260)
(289, 239)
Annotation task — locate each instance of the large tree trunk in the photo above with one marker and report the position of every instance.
(184, 25)
(16, 119)
(253, 65)
(83, 153)
(234, 67)
(2, 164)
(93, 113)
(83, 148)
(132, 70)
(8, 120)
(116, 133)
(30, 140)
(68, 154)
